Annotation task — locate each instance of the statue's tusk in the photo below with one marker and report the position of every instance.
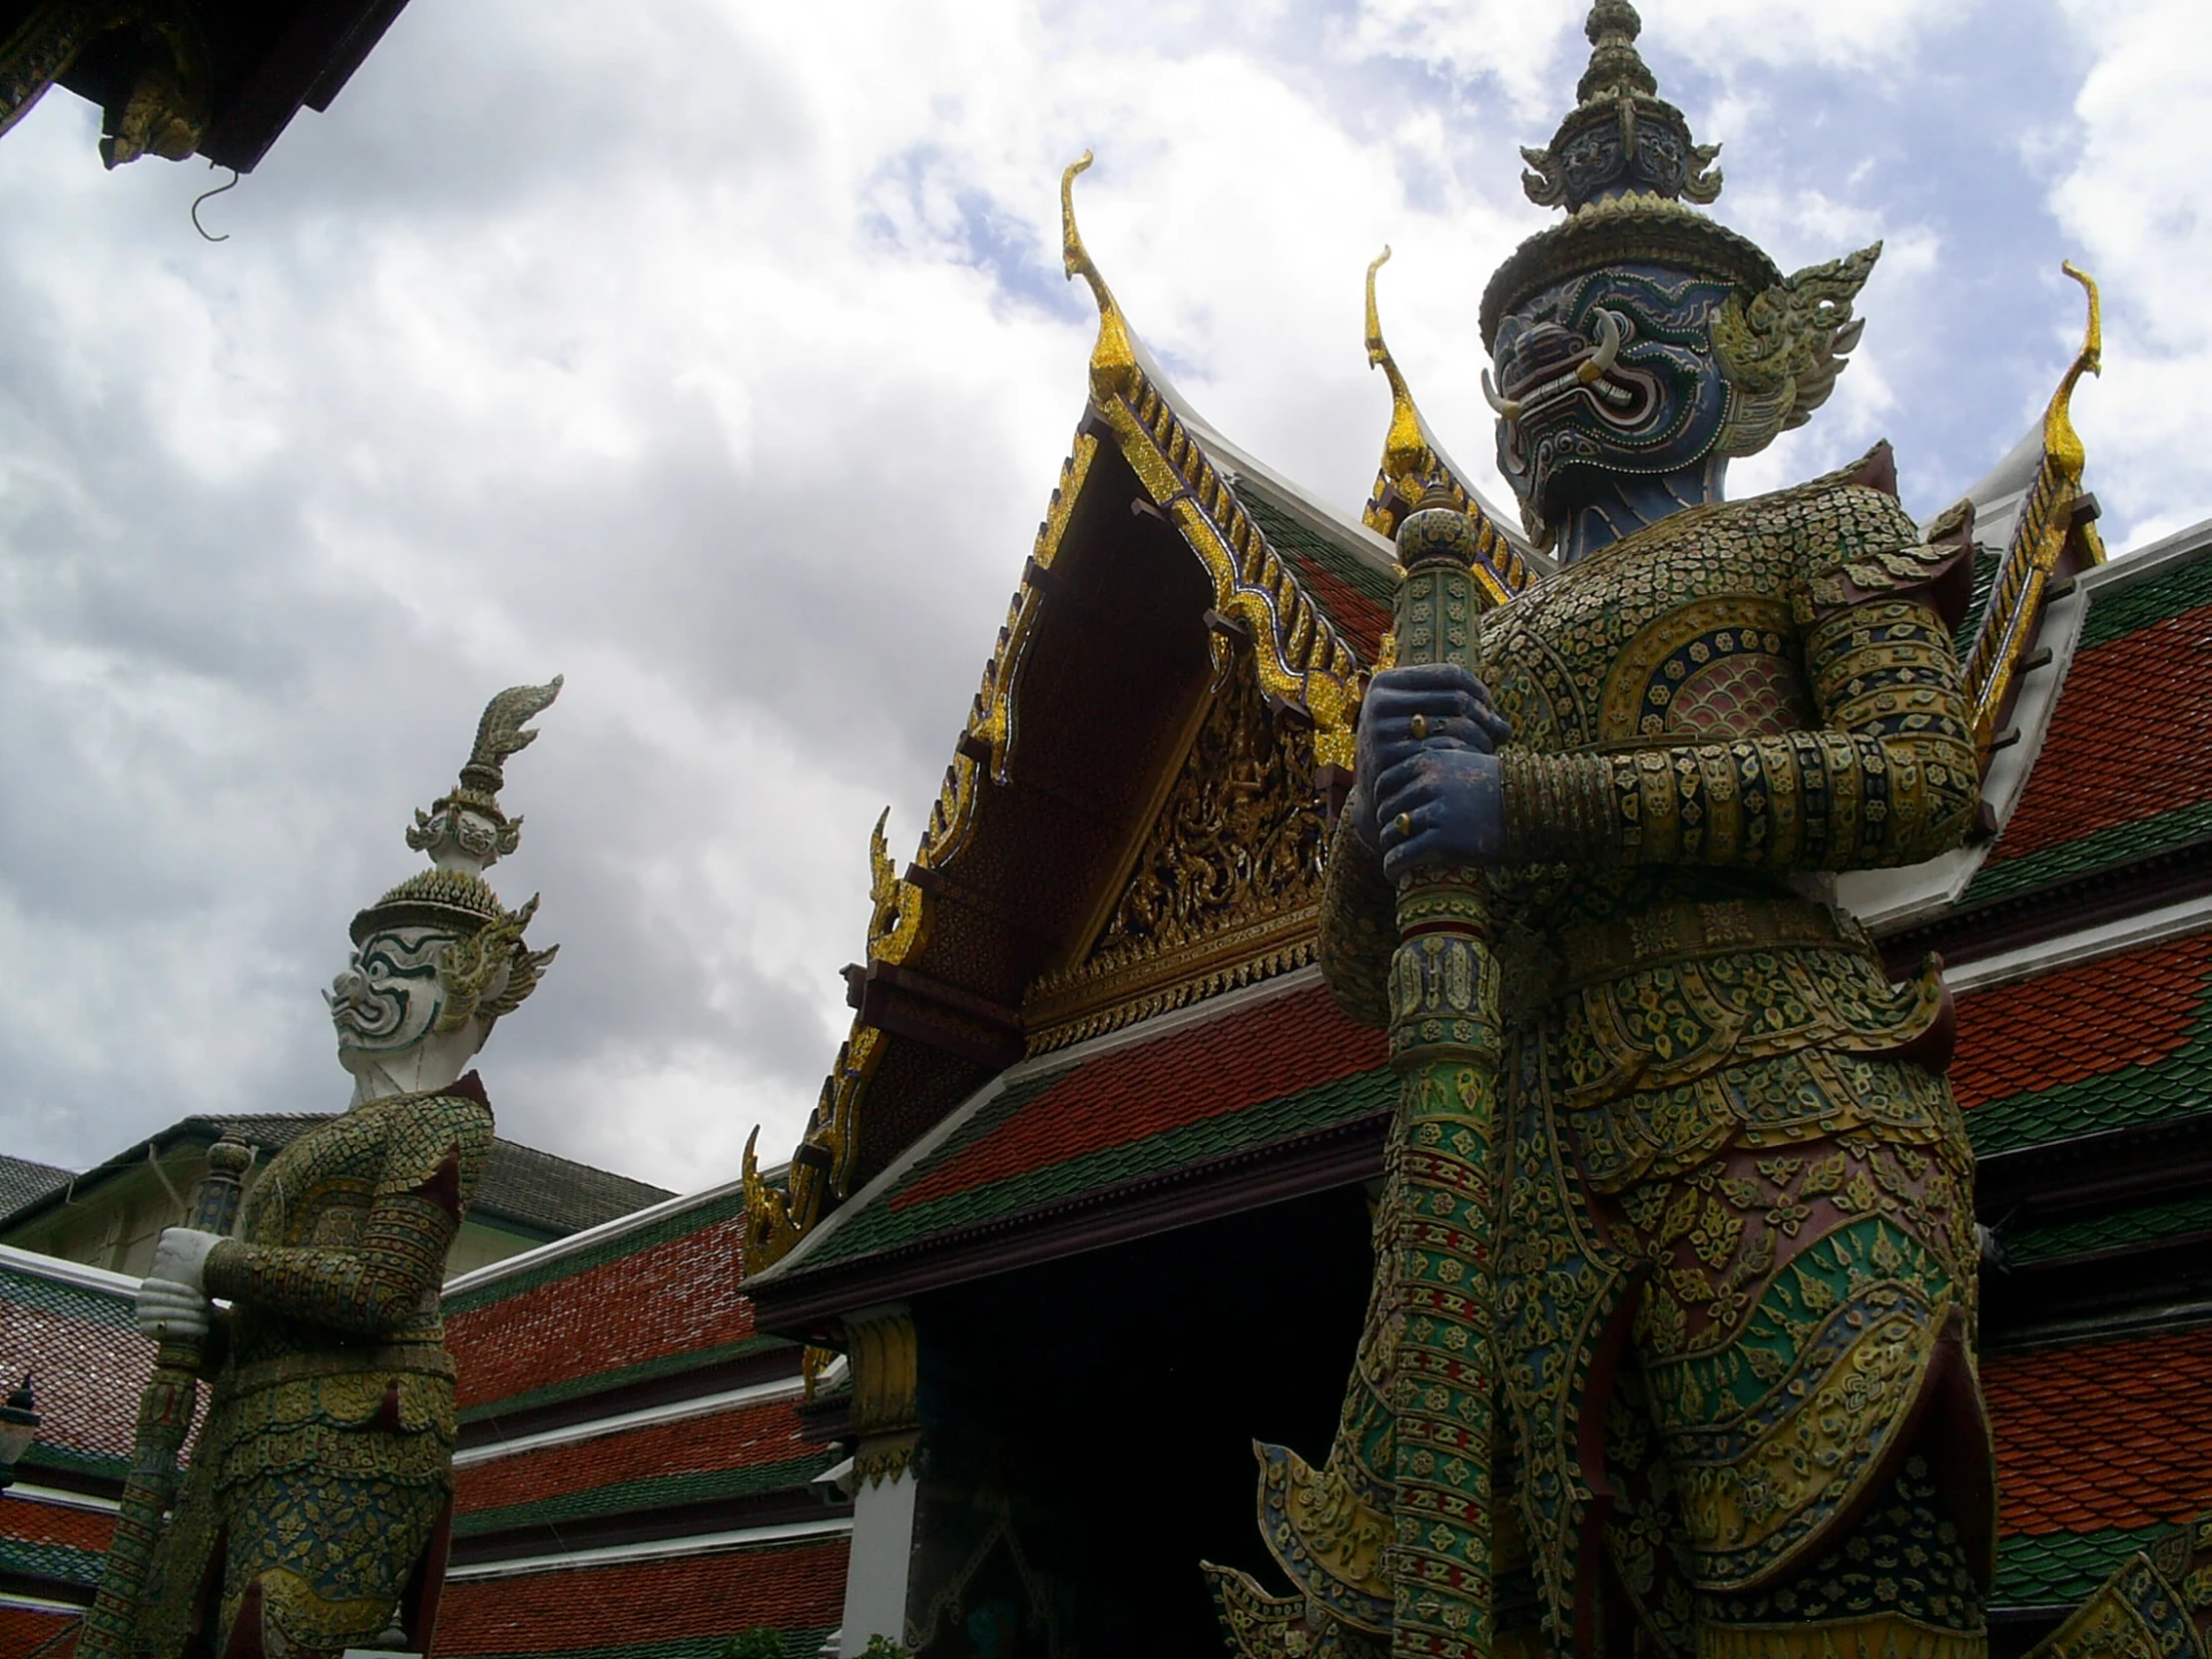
(1608, 348)
(1507, 408)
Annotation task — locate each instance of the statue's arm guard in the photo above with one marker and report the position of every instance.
(374, 1284)
(1887, 776)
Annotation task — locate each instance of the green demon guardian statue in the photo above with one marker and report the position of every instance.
(1731, 1265)
(315, 1511)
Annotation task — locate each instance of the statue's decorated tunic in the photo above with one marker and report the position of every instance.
(1736, 1253)
(325, 1462)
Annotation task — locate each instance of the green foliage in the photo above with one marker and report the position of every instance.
(882, 1647)
(756, 1643)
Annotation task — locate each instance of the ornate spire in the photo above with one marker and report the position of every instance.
(465, 830)
(1621, 138)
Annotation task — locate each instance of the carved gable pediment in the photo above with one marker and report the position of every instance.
(1224, 890)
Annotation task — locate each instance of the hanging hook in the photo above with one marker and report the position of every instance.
(203, 195)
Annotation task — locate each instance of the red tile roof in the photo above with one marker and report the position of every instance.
(1207, 1070)
(758, 1434)
(2106, 1434)
(674, 1297)
(23, 1632)
(2096, 771)
(28, 1520)
(2103, 1017)
(798, 1586)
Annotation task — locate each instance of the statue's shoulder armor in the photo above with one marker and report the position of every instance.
(441, 1138)
(1856, 545)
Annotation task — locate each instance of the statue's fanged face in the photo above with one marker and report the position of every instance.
(389, 995)
(1608, 372)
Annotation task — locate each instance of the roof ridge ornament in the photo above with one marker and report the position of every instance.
(1114, 365)
(1407, 451)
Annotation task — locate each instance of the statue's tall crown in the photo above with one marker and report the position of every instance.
(1621, 136)
(466, 832)
(1631, 177)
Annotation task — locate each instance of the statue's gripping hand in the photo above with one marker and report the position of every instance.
(1428, 785)
(171, 1303)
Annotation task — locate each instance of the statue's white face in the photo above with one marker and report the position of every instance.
(388, 998)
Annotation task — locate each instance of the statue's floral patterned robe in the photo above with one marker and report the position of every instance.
(1737, 1257)
(325, 1462)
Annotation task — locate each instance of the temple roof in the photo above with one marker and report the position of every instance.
(625, 1427)
(2102, 1448)
(1247, 1098)
(2121, 776)
(543, 1192)
(72, 1327)
(22, 1182)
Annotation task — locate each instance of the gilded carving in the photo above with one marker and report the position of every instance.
(1225, 888)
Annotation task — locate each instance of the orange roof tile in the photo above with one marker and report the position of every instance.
(765, 1433)
(2106, 1434)
(795, 1587)
(2126, 740)
(1208, 1070)
(2103, 1017)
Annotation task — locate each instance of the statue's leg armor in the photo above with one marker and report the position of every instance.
(323, 1559)
(1806, 1329)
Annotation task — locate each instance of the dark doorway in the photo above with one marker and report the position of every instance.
(1089, 1424)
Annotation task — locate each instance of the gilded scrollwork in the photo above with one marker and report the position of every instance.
(1225, 888)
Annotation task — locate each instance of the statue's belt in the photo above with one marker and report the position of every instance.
(1590, 952)
(411, 1358)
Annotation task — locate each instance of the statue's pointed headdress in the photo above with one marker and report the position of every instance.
(1632, 180)
(466, 832)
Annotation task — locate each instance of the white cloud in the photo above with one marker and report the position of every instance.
(723, 362)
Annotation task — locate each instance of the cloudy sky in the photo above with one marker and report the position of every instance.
(716, 354)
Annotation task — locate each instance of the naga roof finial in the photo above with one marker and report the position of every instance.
(1405, 450)
(1114, 358)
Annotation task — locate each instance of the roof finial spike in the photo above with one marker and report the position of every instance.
(1114, 358)
(1405, 449)
(2060, 440)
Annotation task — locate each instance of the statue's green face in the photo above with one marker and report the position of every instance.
(1603, 374)
(388, 996)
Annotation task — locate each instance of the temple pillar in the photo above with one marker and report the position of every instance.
(880, 1574)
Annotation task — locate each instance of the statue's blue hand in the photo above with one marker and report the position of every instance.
(1441, 806)
(1448, 709)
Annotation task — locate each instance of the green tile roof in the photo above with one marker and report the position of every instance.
(57, 1561)
(1291, 536)
(2100, 849)
(2064, 1569)
(2128, 605)
(112, 1309)
(653, 1493)
(2144, 1224)
(2176, 1086)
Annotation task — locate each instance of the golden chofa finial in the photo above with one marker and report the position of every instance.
(1114, 358)
(2060, 442)
(1406, 451)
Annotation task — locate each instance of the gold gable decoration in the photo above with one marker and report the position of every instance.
(2047, 520)
(1414, 468)
(1225, 892)
(1298, 655)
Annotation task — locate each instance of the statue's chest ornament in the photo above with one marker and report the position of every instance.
(1691, 638)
